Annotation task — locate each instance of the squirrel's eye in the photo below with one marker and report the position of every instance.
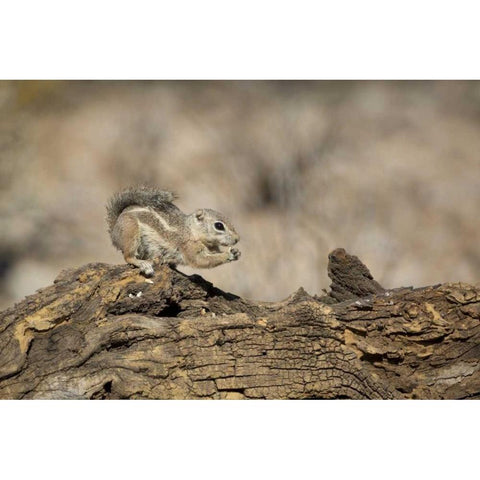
(219, 226)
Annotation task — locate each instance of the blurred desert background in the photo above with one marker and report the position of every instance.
(387, 170)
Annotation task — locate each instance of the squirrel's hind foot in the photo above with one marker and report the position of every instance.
(145, 267)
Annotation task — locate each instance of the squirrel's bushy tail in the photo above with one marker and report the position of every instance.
(142, 196)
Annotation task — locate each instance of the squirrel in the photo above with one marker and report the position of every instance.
(145, 225)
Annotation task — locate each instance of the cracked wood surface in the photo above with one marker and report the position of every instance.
(103, 331)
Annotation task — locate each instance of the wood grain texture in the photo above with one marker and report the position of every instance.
(103, 331)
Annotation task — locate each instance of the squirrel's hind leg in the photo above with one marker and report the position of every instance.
(144, 265)
(126, 236)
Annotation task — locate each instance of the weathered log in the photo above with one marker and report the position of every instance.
(104, 331)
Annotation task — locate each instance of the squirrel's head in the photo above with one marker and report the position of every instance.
(213, 228)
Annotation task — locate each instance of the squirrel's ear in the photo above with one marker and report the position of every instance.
(199, 214)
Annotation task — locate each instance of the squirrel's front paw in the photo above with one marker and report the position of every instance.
(234, 254)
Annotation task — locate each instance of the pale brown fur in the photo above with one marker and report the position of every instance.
(146, 226)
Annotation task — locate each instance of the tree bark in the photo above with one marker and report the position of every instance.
(104, 331)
